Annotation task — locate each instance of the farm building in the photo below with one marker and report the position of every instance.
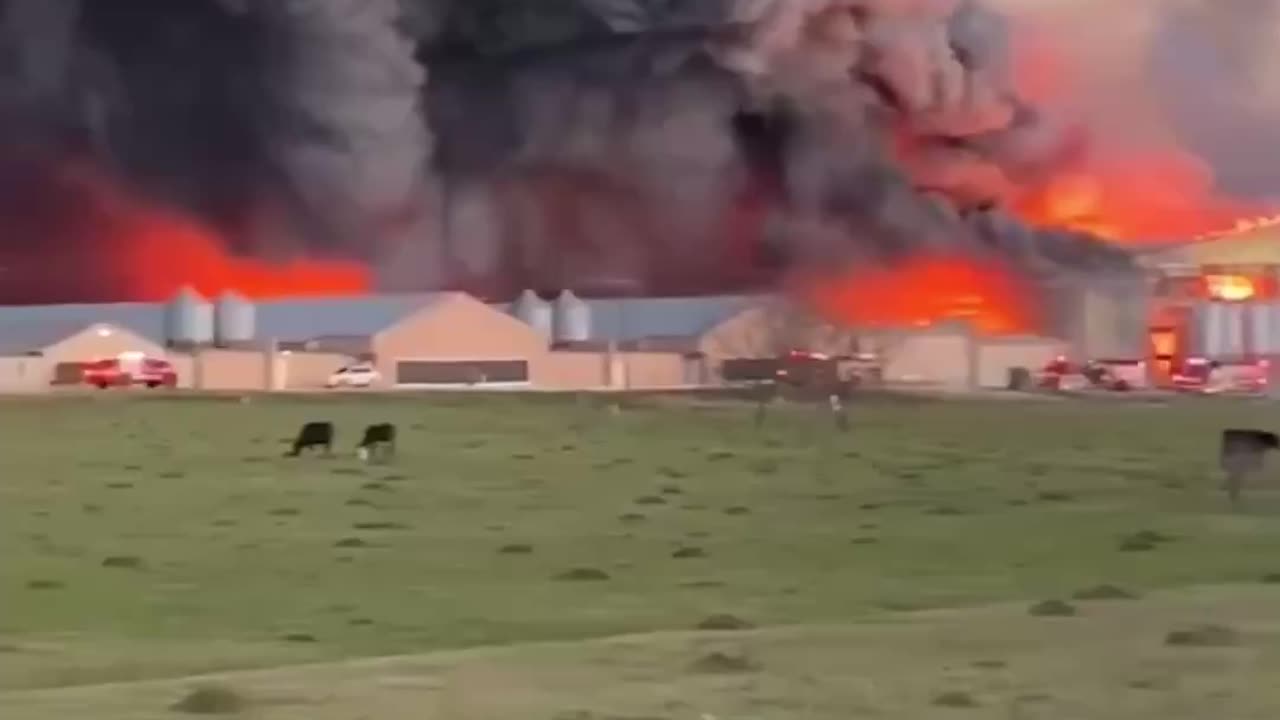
(1216, 297)
(445, 340)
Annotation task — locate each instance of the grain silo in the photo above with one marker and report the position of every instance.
(188, 319)
(534, 312)
(236, 320)
(571, 319)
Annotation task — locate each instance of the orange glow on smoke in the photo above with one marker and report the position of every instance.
(1148, 198)
(103, 244)
(157, 253)
(926, 291)
(1154, 193)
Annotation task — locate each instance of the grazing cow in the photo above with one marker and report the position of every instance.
(377, 438)
(313, 435)
(1242, 454)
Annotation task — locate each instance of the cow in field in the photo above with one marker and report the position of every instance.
(1242, 454)
(313, 435)
(379, 439)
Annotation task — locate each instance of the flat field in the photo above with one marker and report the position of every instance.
(545, 557)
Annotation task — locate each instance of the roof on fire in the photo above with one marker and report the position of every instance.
(1257, 246)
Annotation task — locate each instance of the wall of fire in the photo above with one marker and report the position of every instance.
(1225, 313)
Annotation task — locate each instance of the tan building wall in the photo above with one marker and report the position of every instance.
(24, 375)
(457, 327)
(308, 371)
(650, 371)
(248, 370)
(230, 370)
(569, 371)
(997, 356)
(937, 357)
(769, 330)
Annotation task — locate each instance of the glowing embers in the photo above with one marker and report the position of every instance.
(1230, 288)
(925, 291)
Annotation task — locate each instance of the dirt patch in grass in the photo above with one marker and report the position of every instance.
(211, 700)
(1053, 608)
(725, 663)
(1204, 636)
(123, 562)
(379, 526)
(957, 699)
(724, 622)
(42, 584)
(1144, 541)
(687, 553)
(583, 575)
(1105, 592)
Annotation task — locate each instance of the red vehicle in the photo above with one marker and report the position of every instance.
(129, 369)
(1202, 375)
(1113, 375)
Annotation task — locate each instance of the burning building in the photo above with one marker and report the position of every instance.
(896, 163)
(1216, 297)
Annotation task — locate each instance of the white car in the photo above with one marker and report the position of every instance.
(354, 376)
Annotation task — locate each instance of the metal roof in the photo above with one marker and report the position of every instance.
(33, 327)
(314, 318)
(626, 319)
(639, 318)
(27, 329)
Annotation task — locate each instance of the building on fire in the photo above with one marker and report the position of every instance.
(1215, 297)
(453, 340)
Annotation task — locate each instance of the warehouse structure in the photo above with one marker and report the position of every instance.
(453, 340)
(1216, 297)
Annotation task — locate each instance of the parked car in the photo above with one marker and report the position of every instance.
(129, 369)
(360, 375)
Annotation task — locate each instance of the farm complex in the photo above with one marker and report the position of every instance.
(455, 340)
(1212, 298)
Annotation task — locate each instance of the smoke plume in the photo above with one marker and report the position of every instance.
(639, 145)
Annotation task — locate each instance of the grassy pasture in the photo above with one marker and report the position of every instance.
(147, 541)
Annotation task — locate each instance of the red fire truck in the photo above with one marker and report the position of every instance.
(129, 369)
(1205, 376)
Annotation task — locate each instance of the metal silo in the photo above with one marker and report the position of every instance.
(189, 319)
(571, 318)
(1272, 312)
(1211, 332)
(1262, 336)
(236, 320)
(1234, 319)
(534, 312)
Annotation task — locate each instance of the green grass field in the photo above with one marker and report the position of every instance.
(546, 558)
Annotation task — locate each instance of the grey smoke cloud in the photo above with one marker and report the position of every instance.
(508, 143)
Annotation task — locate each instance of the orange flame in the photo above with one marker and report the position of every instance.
(926, 291)
(95, 242)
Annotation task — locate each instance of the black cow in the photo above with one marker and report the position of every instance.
(1242, 454)
(380, 438)
(313, 435)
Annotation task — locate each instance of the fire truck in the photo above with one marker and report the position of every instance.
(127, 370)
(1107, 374)
(1208, 377)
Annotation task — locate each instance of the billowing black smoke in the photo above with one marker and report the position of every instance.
(693, 146)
